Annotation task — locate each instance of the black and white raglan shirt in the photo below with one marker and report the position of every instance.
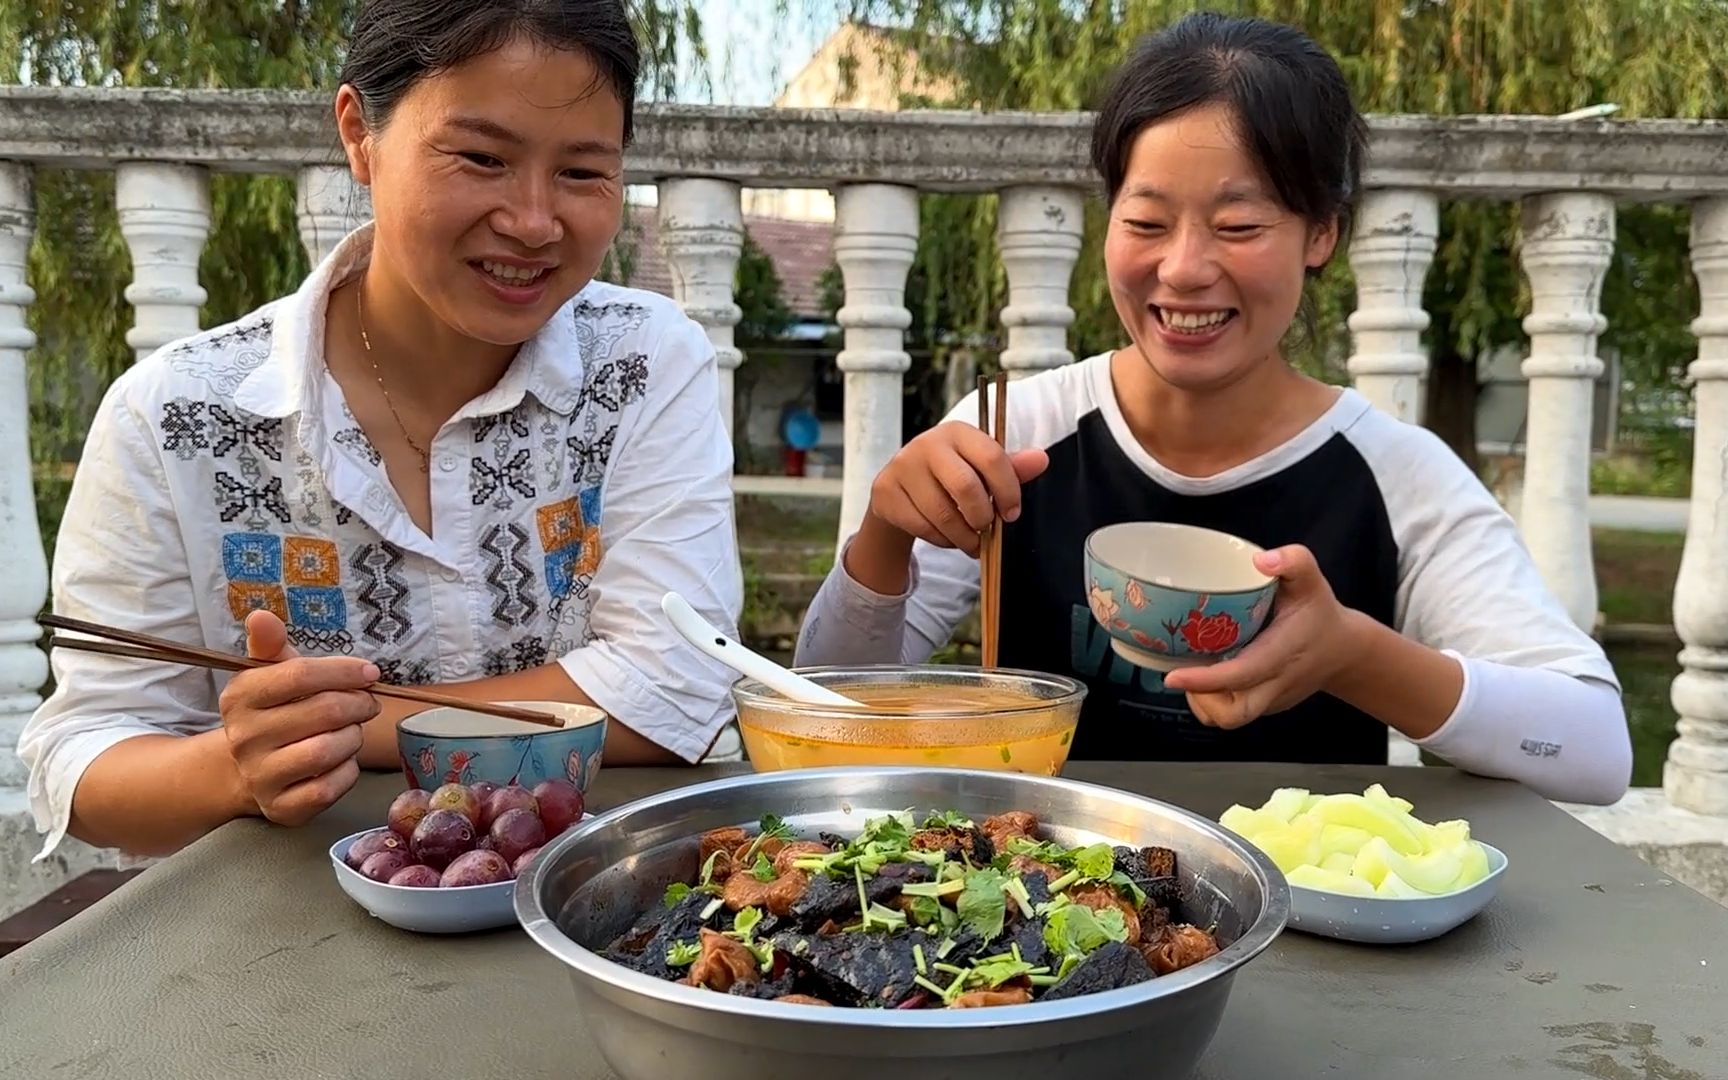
(1401, 528)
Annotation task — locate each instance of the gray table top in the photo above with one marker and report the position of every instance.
(240, 958)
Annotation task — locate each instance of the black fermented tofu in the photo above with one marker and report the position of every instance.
(837, 898)
(1154, 870)
(855, 969)
(1112, 966)
(643, 947)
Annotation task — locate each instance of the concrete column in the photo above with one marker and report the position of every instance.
(1038, 233)
(329, 204)
(24, 582)
(165, 218)
(875, 239)
(1696, 774)
(702, 231)
(1390, 252)
(1568, 242)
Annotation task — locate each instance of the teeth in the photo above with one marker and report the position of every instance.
(512, 274)
(1192, 320)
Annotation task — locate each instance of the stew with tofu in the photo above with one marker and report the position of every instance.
(946, 913)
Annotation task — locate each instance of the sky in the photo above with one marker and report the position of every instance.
(754, 52)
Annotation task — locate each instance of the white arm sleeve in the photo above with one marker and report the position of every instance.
(1561, 736)
(850, 624)
(1541, 704)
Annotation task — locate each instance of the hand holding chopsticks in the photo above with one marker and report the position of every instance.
(292, 728)
(138, 646)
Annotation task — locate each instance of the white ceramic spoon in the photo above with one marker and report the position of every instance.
(702, 634)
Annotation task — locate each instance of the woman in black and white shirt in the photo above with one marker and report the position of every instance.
(1232, 155)
(451, 457)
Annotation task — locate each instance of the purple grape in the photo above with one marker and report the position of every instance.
(513, 797)
(481, 790)
(384, 865)
(371, 844)
(517, 831)
(475, 868)
(407, 810)
(456, 797)
(418, 876)
(561, 805)
(522, 862)
(441, 836)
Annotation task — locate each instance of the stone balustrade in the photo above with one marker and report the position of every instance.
(1568, 176)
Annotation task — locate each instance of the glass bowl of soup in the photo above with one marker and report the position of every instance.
(960, 717)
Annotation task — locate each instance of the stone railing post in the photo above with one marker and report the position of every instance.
(1568, 242)
(875, 240)
(702, 230)
(24, 582)
(329, 204)
(165, 218)
(1390, 252)
(1696, 773)
(1038, 234)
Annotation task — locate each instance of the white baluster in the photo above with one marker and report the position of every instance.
(1696, 773)
(702, 231)
(1568, 242)
(165, 218)
(329, 204)
(875, 239)
(1390, 252)
(1038, 233)
(1391, 248)
(24, 583)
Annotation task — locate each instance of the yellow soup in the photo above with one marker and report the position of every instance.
(900, 731)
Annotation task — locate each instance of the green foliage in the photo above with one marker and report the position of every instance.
(758, 293)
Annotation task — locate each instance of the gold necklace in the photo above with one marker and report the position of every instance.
(360, 312)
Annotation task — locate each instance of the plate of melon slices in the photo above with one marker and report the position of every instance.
(1364, 868)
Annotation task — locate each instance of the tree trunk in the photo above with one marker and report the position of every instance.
(1451, 400)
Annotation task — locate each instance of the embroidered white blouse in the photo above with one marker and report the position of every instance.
(225, 473)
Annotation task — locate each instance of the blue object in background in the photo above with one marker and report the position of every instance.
(801, 429)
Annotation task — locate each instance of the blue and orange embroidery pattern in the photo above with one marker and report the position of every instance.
(570, 536)
(298, 578)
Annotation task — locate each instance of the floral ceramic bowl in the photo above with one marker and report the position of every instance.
(455, 746)
(1175, 596)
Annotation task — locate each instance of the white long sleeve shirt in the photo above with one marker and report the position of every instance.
(1400, 527)
(225, 473)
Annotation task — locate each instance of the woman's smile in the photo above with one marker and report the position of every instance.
(1191, 327)
(512, 282)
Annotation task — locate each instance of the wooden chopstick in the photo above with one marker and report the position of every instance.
(990, 542)
(146, 647)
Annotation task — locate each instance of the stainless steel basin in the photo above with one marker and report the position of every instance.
(594, 882)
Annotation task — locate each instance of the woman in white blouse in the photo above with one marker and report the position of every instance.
(451, 457)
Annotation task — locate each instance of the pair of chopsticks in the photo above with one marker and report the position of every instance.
(990, 542)
(145, 647)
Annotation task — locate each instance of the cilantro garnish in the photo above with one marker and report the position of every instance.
(983, 904)
(948, 819)
(744, 929)
(682, 954)
(1076, 930)
(927, 911)
(1125, 885)
(1095, 862)
(763, 870)
(772, 827)
(989, 973)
